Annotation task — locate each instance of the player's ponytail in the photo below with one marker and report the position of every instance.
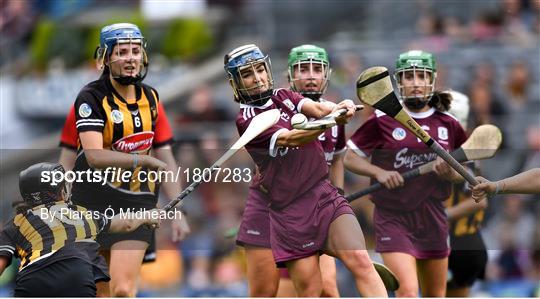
(440, 100)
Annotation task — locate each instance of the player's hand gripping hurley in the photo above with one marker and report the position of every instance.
(322, 123)
(258, 125)
(482, 144)
(374, 88)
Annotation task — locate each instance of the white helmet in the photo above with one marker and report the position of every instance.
(459, 107)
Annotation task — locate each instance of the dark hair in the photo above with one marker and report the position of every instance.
(441, 100)
(105, 73)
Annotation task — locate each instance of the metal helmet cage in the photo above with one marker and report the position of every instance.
(244, 58)
(310, 55)
(416, 61)
(117, 34)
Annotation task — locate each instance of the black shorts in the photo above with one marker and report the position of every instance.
(150, 254)
(100, 199)
(467, 263)
(71, 277)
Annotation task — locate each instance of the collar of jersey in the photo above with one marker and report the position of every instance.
(266, 105)
(424, 114)
(138, 92)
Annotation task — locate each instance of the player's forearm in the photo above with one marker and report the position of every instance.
(465, 208)
(102, 158)
(337, 172)
(317, 110)
(294, 138)
(129, 223)
(527, 182)
(360, 165)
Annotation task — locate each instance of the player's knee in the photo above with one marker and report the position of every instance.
(407, 290)
(330, 289)
(309, 289)
(123, 289)
(263, 290)
(360, 260)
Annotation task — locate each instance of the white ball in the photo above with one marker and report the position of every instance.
(298, 120)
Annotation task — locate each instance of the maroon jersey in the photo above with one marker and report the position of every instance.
(285, 173)
(392, 147)
(333, 141)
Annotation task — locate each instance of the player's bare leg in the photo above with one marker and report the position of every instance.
(328, 272)
(458, 292)
(432, 276)
(124, 267)
(352, 252)
(286, 288)
(327, 264)
(262, 273)
(306, 276)
(404, 267)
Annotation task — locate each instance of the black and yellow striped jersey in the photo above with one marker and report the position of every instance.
(466, 225)
(42, 233)
(126, 127)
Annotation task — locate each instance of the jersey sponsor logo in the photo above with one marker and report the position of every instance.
(308, 244)
(412, 160)
(85, 110)
(399, 134)
(289, 104)
(442, 133)
(135, 143)
(117, 116)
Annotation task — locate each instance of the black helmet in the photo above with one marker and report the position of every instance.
(36, 187)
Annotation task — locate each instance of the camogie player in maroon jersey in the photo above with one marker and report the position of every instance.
(308, 216)
(309, 71)
(411, 227)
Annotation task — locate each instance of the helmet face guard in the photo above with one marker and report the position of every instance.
(416, 64)
(123, 38)
(244, 59)
(36, 184)
(307, 59)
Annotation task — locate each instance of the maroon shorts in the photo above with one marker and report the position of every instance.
(300, 229)
(422, 233)
(255, 226)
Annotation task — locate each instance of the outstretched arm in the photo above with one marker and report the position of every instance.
(527, 182)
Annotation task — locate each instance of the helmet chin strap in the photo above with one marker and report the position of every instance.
(415, 103)
(129, 80)
(315, 96)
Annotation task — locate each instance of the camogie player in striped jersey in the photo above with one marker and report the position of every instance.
(116, 119)
(55, 239)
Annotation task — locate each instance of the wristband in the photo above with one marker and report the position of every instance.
(497, 188)
(135, 160)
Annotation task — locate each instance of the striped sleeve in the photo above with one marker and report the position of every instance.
(7, 245)
(89, 116)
